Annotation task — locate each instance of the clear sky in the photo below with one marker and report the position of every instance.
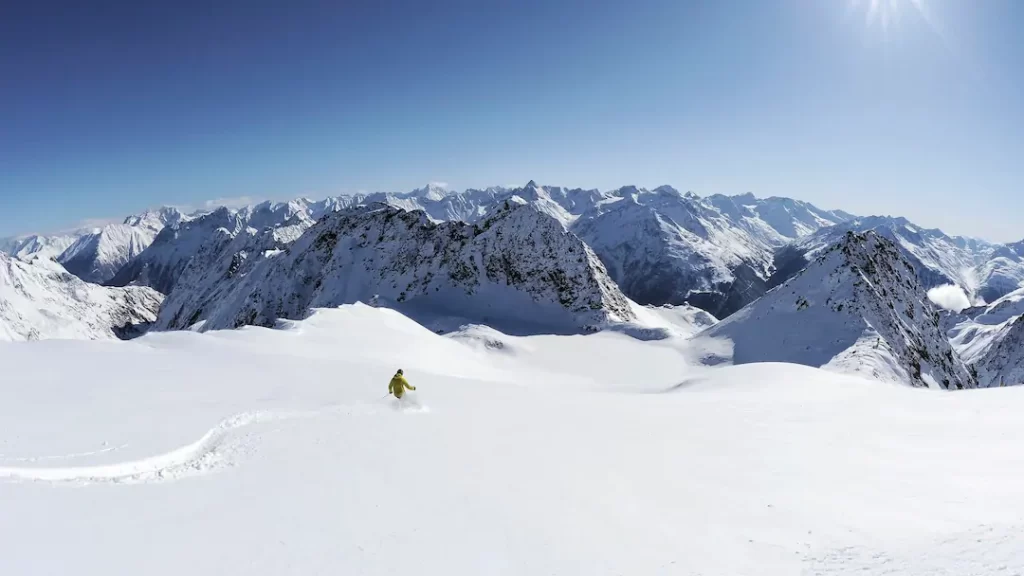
(907, 107)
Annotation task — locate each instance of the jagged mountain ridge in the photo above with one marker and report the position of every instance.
(858, 307)
(985, 271)
(660, 246)
(39, 299)
(96, 254)
(47, 246)
(688, 249)
(988, 338)
(161, 264)
(515, 268)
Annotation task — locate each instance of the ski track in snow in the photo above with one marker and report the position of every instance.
(984, 550)
(7, 458)
(205, 455)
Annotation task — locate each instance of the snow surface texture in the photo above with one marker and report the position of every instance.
(598, 454)
(518, 269)
(40, 300)
(858, 308)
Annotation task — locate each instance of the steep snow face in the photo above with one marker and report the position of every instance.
(1003, 364)
(663, 247)
(858, 308)
(41, 300)
(985, 271)
(988, 339)
(214, 270)
(519, 270)
(98, 256)
(162, 262)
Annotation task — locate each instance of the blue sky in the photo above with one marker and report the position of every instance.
(108, 107)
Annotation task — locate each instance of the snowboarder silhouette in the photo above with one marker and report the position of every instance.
(399, 385)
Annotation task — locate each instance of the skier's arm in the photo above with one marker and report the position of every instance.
(391, 386)
(407, 385)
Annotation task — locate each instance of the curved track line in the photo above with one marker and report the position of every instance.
(196, 458)
(7, 458)
(146, 468)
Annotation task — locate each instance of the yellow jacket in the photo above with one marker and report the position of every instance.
(399, 385)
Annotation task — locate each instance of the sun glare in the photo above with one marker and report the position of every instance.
(887, 13)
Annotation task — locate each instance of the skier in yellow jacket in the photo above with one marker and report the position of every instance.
(399, 385)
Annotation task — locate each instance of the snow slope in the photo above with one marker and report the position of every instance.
(593, 454)
(41, 300)
(858, 308)
(519, 268)
(688, 320)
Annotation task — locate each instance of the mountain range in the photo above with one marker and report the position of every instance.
(552, 259)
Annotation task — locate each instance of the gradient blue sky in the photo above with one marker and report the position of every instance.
(107, 108)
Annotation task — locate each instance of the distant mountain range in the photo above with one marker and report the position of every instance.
(553, 259)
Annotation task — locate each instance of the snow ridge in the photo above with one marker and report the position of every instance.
(859, 308)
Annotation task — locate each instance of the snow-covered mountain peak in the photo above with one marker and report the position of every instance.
(433, 192)
(163, 261)
(858, 307)
(157, 218)
(991, 339)
(983, 270)
(518, 268)
(39, 299)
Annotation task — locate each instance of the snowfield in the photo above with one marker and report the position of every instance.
(263, 451)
